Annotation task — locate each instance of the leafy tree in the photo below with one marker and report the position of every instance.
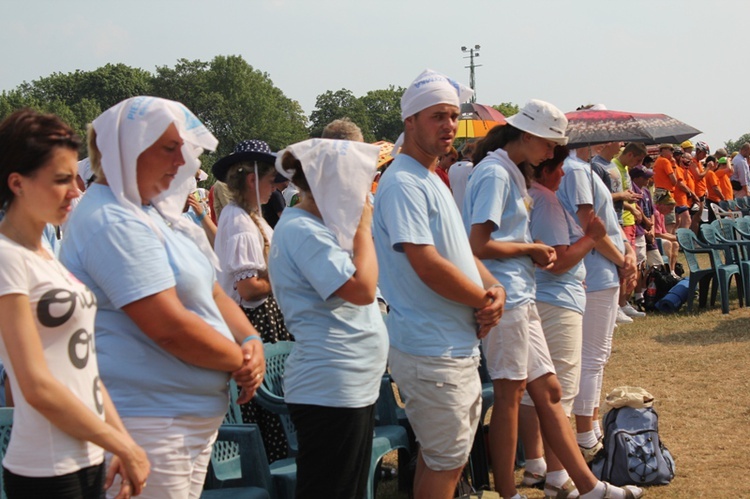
(384, 112)
(339, 104)
(235, 101)
(507, 108)
(734, 145)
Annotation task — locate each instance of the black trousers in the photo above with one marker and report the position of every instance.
(335, 444)
(86, 483)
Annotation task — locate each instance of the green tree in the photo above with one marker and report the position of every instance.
(384, 112)
(507, 108)
(235, 101)
(339, 104)
(734, 145)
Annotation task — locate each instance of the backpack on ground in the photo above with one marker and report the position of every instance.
(658, 284)
(633, 452)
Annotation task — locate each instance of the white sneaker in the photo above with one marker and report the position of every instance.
(622, 318)
(631, 312)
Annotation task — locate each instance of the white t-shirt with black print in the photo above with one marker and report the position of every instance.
(63, 310)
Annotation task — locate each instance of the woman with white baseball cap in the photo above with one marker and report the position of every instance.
(496, 216)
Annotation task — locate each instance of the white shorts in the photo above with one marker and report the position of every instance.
(179, 450)
(640, 249)
(563, 329)
(443, 401)
(516, 348)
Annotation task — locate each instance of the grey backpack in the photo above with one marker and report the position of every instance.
(633, 452)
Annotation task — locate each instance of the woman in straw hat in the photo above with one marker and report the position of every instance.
(242, 245)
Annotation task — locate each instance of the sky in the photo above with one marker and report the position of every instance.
(678, 57)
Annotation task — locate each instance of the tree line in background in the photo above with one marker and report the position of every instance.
(234, 100)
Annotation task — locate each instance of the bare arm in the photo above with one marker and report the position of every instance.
(485, 248)
(209, 227)
(54, 400)
(360, 288)
(254, 288)
(163, 318)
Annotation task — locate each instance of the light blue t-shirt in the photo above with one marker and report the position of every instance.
(576, 189)
(491, 195)
(122, 260)
(341, 349)
(414, 206)
(554, 226)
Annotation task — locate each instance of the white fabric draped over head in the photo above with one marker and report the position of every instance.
(340, 174)
(127, 129)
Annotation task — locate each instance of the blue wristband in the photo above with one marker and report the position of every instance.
(201, 216)
(251, 337)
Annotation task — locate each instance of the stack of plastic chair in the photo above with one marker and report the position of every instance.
(742, 227)
(720, 270)
(735, 206)
(270, 395)
(724, 213)
(726, 232)
(6, 425)
(239, 467)
(389, 413)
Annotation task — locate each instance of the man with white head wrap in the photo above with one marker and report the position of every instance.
(167, 336)
(442, 299)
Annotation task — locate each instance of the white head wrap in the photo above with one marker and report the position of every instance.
(127, 129)
(431, 88)
(340, 174)
(84, 170)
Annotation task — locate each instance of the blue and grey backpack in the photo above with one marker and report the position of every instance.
(633, 452)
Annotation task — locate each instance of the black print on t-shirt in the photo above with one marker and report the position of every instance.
(48, 311)
(79, 347)
(98, 400)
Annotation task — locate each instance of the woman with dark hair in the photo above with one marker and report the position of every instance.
(64, 418)
(324, 273)
(496, 216)
(242, 245)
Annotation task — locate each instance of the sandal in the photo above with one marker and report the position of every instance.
(532, 480)
(552, 492)
(589, 453)
(631, 491)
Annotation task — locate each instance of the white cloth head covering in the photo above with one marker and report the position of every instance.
(84, 170)
(127, 129)
(428, 89)
(340, 174)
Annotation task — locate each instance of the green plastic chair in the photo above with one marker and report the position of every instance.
(720, 271)
(238, 466)
(6, 425)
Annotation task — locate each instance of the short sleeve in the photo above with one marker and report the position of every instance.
(14, 277)
(489, 197)
(581, 182)
(323, 263)
(244, 254)
(128, 262)
(548, 223)
(405, 214)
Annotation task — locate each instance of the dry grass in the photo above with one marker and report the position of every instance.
(698, 368)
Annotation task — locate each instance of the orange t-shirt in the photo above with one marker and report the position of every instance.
(700, 184)
(679, 196)
(662, 169)
(711, 182)
(688, 178)
(725, 182)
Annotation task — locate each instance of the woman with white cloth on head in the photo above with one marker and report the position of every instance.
(63, 416)
(167, 336)
(324, 273)
(496, 216)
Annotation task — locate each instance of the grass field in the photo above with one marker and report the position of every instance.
(698, 368)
